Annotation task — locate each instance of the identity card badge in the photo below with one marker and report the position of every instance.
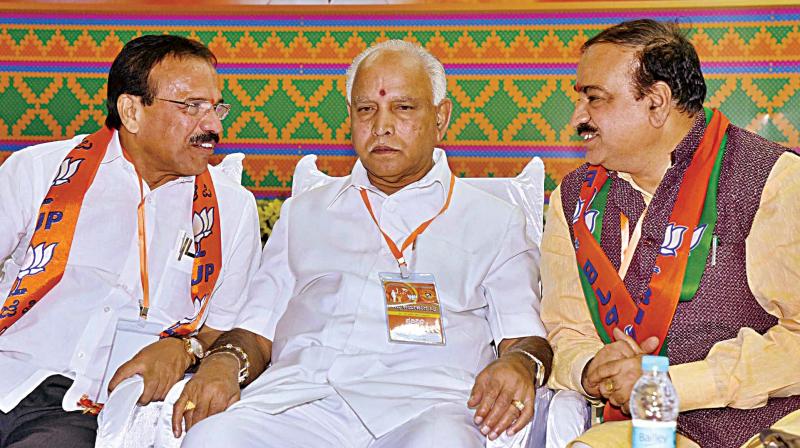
(130, 337)
(413, 311)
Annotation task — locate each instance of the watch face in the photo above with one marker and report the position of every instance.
(196, 347)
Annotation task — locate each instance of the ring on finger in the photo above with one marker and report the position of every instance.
(609, 385)
(518, 404)
(189, 405)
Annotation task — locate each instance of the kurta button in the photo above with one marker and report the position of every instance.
(107, 309)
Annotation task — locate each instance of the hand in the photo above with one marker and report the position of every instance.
(505, 380)
(161, 364)
(212, 389)
(623, 347)
(618, 379)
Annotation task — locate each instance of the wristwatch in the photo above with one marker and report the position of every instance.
(194, 348)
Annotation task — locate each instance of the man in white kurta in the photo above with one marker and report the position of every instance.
(336, 379)
(67, 337)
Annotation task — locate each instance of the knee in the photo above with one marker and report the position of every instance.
(445, 426)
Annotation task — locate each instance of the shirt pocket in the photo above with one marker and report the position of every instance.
(457, 271)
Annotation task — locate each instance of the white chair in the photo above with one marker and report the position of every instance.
(526, 190)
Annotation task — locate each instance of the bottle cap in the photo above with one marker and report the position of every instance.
(657, 363)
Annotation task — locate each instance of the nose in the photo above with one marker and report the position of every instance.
(384, 123)
(579, 115)
(211, 122)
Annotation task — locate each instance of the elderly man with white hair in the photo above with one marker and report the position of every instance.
(381, 294)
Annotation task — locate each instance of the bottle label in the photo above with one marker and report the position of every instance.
(650, 434)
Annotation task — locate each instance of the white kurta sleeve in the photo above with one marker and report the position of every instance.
(273, 283)
(240, 265)
(512, 285)
(17, 186)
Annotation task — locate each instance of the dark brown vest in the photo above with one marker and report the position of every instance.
(723, 303)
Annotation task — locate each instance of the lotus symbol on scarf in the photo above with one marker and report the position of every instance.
(36, 259)
(697, 235)
(202, 222)
(673, 238)
(198, 308)
(578, 208)
(590, 217)
(67, 169)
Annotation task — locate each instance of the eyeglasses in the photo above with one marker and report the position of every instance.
(201, 107)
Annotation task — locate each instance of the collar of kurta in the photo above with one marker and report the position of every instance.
(439, 174)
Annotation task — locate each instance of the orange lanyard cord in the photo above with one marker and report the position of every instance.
(398, 252)
(144, 303)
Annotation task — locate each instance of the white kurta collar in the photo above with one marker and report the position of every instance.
(439, 173)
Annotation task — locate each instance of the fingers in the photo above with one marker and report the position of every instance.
(650, 345)
(621, 336)
(124, 372)
(178, 410)
(148, 392)
(487, 401)
(499, 410)
(476, 395)
(524, 418)
(199, 413)
(510, 414)
(597, 374)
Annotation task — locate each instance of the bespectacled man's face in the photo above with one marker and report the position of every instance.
(178, 143)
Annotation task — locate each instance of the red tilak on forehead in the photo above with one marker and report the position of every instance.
(578, 87)
(382, 92)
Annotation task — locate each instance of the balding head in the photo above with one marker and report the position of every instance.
(433, 69)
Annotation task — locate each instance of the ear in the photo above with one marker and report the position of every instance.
(660, 102)
(130, 108)
(443, 111)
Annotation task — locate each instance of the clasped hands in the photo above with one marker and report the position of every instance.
(614, 370)
(162, 364)
(503, 395)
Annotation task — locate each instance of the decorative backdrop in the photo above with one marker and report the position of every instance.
(510, 75)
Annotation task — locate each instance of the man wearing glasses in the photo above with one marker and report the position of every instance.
(119, 240)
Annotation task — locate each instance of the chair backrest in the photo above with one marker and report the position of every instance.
(526, 190)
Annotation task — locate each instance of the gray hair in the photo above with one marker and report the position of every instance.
(432, 66)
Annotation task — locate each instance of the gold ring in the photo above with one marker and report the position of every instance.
(609, 385)
(189, 405)
(519, 405)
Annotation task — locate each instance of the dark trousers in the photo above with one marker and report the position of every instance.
(40, 421)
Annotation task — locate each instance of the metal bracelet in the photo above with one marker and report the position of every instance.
(239, 354)
(539, 378)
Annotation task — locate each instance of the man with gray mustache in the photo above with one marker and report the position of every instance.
(127, 236)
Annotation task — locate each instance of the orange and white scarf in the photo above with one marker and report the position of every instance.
(47, 256)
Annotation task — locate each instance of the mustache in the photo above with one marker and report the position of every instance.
(585, 127)
(206, 137)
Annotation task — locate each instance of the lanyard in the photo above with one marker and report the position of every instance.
(144, 302)
(398, 252)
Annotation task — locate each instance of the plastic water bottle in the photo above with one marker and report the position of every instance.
(654, 406)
